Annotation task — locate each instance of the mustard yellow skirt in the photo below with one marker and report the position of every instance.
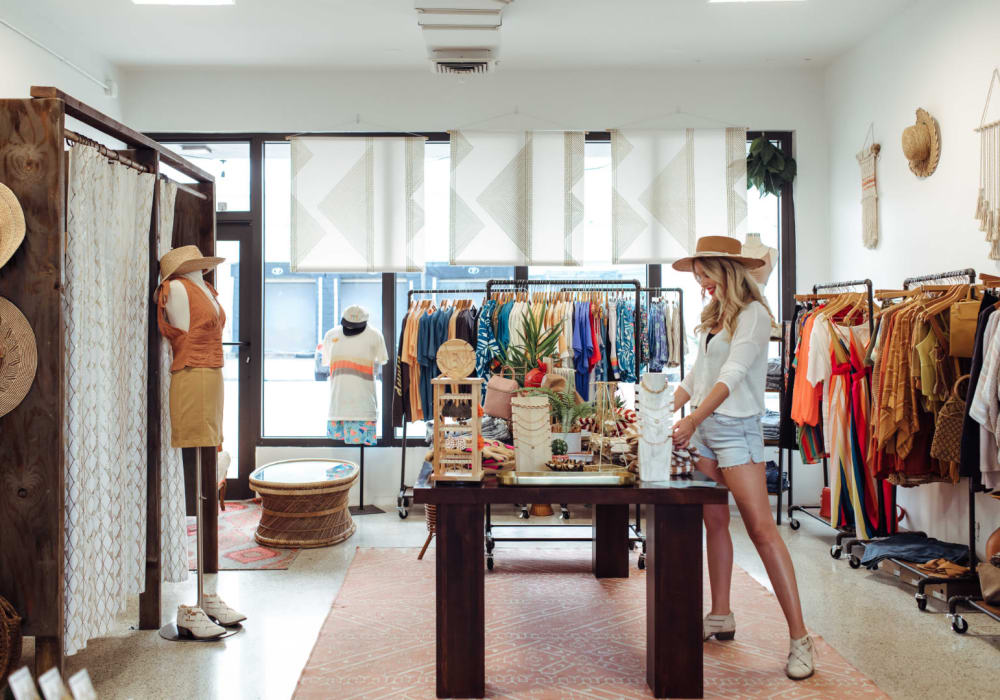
(196, 396)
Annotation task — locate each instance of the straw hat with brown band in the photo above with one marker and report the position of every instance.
(11, 224)
(185, 259)
(18, 357)
(922, 144)
(718, 247)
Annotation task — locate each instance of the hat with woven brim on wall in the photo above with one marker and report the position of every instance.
(11, 224)
(922, 144)
(718, 247)
(18, 356)
(185, 259)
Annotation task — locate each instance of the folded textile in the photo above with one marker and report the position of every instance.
(494, 428)
(773, 374)
(770, 424)
(944, 568)
(771, 474)
(912, 546)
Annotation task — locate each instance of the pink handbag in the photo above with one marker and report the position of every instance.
(499, 391)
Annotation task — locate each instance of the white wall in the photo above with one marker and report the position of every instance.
(22, 64)
(938, 56)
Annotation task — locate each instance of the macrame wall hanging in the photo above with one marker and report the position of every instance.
(869, 192)
(988, 202)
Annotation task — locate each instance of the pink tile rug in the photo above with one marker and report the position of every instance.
(552, 631)
(238, 551)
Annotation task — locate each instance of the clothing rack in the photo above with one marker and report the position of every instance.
(405, 496)
(596, 285)
(943, 277)
(655, 291)
(32, 456)
(842, 533)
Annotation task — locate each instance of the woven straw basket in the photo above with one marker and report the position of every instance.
(10, 638)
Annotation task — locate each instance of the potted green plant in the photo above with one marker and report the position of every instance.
(538, 344)
(768, 167)
(566, 412)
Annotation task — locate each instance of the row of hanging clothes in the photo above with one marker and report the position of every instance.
(829, 399)
(662, 339)
(596, 333)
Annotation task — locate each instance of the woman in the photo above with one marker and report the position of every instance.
(726, 390)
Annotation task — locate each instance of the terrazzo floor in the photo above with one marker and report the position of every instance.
(869, 618)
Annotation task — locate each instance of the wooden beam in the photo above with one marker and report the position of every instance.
(114, 128)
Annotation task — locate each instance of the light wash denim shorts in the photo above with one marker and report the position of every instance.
(730, 441)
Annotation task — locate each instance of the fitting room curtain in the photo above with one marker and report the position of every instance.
(357, 204)
(109, 210)
(173, 513)
(670, 187)
(516, 198)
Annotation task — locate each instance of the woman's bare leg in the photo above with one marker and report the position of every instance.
(719, 543)
(749, 488)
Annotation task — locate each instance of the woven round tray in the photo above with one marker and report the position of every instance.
(10, 638)
(456, 359)
(304, 502)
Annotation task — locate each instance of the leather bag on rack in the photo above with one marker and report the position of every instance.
(499, 391)
(963, 318)
(947, 443)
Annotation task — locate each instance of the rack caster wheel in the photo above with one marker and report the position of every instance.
(959, 624)
(921, 601)
(793, 523)
(523, 515)
(402, 507)
(854, 562)
(642, 562)
(489, 562)
(836, 550)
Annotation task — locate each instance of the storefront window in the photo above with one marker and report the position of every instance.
(228, 161)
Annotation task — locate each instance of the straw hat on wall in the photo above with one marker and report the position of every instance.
(11, 224)
(18, 357)
(922, 144)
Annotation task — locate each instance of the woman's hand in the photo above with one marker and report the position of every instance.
(683, 430)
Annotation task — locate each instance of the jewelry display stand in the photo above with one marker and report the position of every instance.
(655, 409)
(169, 631)
(532, 432)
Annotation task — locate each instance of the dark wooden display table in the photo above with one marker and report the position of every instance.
(673, 577)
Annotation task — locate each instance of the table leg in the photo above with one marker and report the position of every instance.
(610, 545)
(461, 621)
(674, 661)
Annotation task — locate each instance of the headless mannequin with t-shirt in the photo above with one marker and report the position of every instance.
(210, 616)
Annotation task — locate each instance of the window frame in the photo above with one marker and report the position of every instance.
(251, 416)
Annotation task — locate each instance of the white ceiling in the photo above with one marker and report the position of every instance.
(536, 34)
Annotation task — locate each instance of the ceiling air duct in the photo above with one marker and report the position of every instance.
(462, 36)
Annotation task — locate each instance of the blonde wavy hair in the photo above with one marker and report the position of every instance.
(735, 290)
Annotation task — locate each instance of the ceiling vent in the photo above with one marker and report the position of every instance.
(462, 36)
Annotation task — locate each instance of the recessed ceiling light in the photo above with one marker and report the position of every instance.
(184, 2)
(734, 1)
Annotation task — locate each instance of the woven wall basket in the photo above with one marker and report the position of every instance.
(10, 638)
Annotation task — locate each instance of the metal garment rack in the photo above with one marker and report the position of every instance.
(842, 533)
(405, 496)
(656, 291)
(595, 285)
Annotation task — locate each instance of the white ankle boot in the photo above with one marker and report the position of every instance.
(800, 659)
(722, 627)
(193, 622)
(220, 612)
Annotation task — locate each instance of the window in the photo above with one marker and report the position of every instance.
(228, 161)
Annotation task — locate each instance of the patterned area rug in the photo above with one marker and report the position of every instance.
(552, 631)
(238, 551)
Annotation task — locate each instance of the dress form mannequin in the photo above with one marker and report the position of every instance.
(755, 248)
(194, 329)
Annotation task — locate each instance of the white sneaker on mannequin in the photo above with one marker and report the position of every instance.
(220, 612)
(193, 622)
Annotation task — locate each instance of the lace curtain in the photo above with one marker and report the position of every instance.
(173, 514)
(357, 204)
(109, 209)
(516, 198)
(670, 187)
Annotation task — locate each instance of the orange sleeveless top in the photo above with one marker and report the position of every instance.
(201, 345)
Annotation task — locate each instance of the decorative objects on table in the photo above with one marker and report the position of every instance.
(10, 638)
(769, 169)
(458, 442)
(559, 447)
(867, 157)
(988, 202)
(682, 461)
(18, 357)
(304, 502)
(499, 391)
(12, 225)
(532, 432)
(655, 409)
(608, 425)
(567, 409)
(922, 144)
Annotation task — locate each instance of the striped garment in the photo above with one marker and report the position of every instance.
(352, 360)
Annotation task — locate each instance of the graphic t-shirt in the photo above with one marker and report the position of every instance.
(352, 360)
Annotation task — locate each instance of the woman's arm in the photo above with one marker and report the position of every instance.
(685, 427)
(681, 397)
